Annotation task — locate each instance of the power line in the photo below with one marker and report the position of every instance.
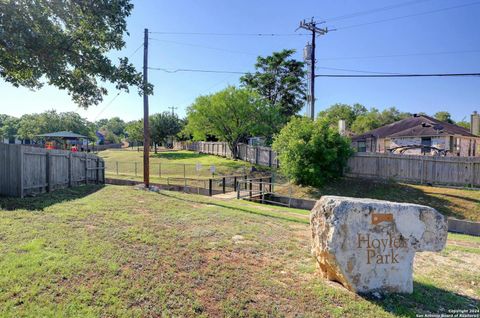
(376, 74)
(397, 55)
(366, 12)
(232, 34)
(404, 75)
(350, 70)
(194, 70)
(409, 16)
(106, 106)
(115, 97)
(203, 46)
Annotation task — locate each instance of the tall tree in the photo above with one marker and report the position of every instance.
(64, 44)
(232, 115)
(280, 80)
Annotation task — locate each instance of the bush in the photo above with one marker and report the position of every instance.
(311, 152)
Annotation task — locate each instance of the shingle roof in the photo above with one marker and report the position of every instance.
(62, 134)
(420, 125)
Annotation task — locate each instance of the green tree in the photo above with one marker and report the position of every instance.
(280, 80)
(116, 126)
(464, 124)
(311, 152)
(444, 116)
(49, 121)
(163, 126)
(346, 112)
(8, 126)
(64, 44)
(134, 131)
(231, 115)
(373, 119)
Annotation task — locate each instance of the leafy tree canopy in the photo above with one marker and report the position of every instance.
(31, 125)
(134, 131)
(311, 152)
(64, 44)
(164, 125)
(280, 80)
(232, 115)
(359, 119)
(444, 116)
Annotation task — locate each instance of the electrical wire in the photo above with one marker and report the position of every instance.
(403, 75)
(396, 55)
(367, 12)
(376, 74)
(230, 34)
(194, 70)
(203, 46)
(409, 16)
(118, 93)
(350, 70)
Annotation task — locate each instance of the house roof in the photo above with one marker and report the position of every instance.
(416, 126)
(62, 134)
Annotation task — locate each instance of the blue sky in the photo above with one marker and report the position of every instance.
(359, 44)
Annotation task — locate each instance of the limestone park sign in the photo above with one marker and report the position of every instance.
(369, 245)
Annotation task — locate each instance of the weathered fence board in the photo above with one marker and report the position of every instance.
(26, 170)
(457, 171)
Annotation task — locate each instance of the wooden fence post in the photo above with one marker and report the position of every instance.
(47, 169)
(86, 168)
(270, 157)
(210, 185)
(235, 183)
(223, 184)
(97, 175)
(21, 172)
(250, 189)
(70, 158)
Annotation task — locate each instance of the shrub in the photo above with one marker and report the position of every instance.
(311, 152)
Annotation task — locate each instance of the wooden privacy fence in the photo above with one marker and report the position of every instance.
(263, 156)
(458, 171)
(27, 170)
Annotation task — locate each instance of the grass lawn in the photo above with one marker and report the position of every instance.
(452, 202)
(172, 163)
(119, 252)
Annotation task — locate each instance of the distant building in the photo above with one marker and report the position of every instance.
(421, 135)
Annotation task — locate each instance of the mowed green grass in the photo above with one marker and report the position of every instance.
(120, 252)
(168, 164)
(461, 203)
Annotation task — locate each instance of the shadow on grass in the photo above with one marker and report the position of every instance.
(262, 213)
(386, 190)
(42, 201)
(425, 298)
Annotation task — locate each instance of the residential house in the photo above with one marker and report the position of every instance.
(422, 135)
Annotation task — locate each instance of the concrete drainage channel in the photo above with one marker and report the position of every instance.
(263, 192)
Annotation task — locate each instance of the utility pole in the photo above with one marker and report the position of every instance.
(312, 27)
(146, 131)
(173, 109)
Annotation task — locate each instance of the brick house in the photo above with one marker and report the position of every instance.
(421, 135)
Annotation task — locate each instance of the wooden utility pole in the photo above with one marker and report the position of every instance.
(312, 27)
(146, 131)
